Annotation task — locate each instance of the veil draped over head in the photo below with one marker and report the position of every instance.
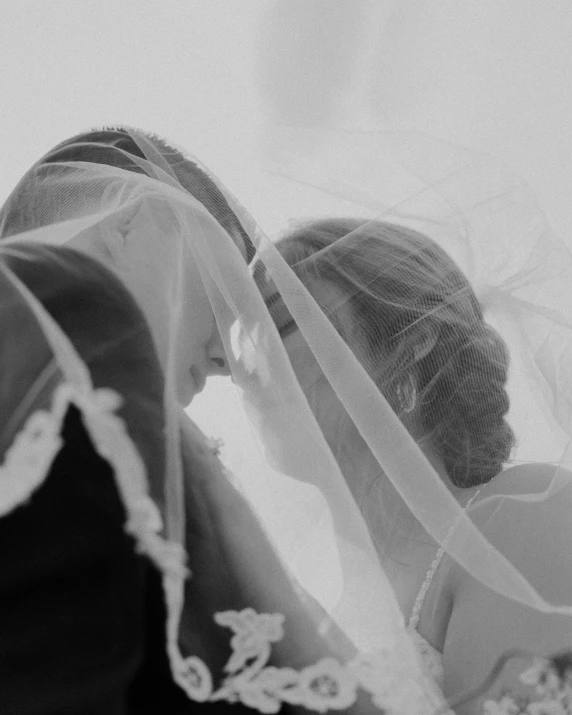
(81, 431)
(424, 365)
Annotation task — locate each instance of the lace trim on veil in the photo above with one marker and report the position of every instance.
(326, 685)
(29, 459)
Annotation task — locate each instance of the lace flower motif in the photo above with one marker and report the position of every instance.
(327, 685)
(505, 706)
(542, 678)
(29, 458)
(195, 679)
(271, 687)
(547, 708)
(320, 687)
(553, 688)
(253, 634)
(393, 687)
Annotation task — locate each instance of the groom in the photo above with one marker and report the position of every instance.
(55, 575)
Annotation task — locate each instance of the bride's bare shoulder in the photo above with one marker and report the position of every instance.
(525, 478)
(533, 533)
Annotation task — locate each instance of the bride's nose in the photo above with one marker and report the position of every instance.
(216, 357)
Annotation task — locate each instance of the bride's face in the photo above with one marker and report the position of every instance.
(337, 427)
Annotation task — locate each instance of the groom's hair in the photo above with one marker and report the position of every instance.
(116, 147)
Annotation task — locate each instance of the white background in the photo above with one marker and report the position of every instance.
(493, 75)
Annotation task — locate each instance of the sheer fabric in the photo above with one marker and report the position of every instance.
(79, 604)
(142, 219)
(488, 222)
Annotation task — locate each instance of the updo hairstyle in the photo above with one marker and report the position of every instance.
(420, 332)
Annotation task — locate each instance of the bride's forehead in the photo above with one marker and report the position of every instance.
(240, 242)
(326, 293)
(332, 300)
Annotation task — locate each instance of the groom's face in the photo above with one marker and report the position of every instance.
(201, 351)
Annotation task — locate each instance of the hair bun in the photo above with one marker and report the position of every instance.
(465, 405)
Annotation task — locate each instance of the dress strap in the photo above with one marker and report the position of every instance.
(416, 611)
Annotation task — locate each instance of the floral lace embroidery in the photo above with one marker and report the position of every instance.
(30, 457)
(326, 685)
(552, 683)
(28, 460)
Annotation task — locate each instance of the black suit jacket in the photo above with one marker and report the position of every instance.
(82, 616)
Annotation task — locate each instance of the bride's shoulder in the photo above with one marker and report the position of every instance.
(531, 526)
(534, 492)
(525, 478)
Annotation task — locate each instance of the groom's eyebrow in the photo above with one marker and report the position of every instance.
(280, 315)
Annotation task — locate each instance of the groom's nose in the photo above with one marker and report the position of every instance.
(217, 361)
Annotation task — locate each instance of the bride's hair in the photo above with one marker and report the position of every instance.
(115, 147)
(402, 289)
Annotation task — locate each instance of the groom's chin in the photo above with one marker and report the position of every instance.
(186, 391)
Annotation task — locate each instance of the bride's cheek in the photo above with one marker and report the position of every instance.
(327, 410)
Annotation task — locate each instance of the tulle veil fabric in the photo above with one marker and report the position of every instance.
(146, 223)
(143, 224)
(140, 219)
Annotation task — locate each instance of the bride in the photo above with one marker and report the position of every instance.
(239, 627)
(413, 320)
(475, 364)
(181, 244)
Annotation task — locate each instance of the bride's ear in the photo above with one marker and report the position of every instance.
(424, 345)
